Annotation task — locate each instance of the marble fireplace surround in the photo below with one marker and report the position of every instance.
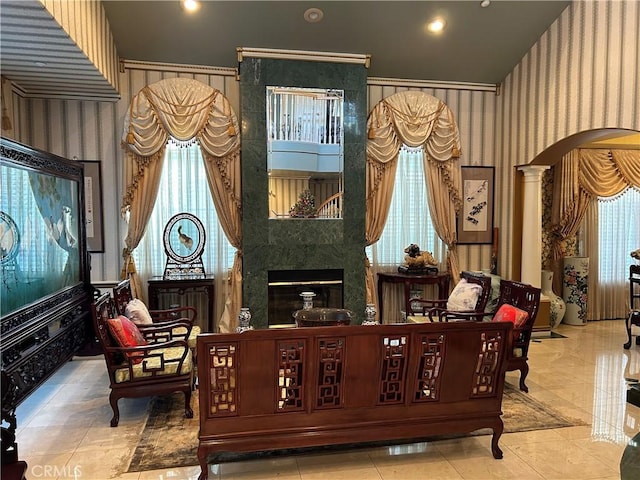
(301, 244)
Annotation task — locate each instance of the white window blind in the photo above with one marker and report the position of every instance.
(184, 188)
(409, 220)
(618, 236)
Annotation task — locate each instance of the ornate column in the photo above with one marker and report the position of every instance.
(531, 265)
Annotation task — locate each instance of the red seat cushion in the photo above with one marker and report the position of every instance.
(509, 313)
(127, 334)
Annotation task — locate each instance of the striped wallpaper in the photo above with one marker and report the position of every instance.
(96, 43)
(582, 74)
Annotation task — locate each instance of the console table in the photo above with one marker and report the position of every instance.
(161, 285)
(440, 279)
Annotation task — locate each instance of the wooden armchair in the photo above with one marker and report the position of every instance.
(436, 310)
(522, 296)
(122, 296)
(164, 365)
(525, 297)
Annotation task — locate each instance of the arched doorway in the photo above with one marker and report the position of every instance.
(558, 239)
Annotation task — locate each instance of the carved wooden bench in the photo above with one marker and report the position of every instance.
(281, 389)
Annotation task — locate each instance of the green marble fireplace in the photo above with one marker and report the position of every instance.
(276, 245)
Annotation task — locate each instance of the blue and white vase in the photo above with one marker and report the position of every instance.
(244, 320)
(370, 312)
(307, 300)
(574, 289)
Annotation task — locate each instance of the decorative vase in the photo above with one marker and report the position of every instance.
(557, 307)
(370, 315)
(244, 320)
(307, 300)
(574, 289)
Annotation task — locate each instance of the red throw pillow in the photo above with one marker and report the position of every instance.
(509, 313)
(127, 334)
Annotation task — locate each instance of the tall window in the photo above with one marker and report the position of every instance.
(618, 236)
(611, 231)
(184, 188)
(409, 220)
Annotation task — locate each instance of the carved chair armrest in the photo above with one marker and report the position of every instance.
(426, 304)
(444, 315)
(179, 329)
(167, 325)
(189, 313)
(149, 348)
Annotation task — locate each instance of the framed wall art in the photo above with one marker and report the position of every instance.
(475, 221)
(93, 205)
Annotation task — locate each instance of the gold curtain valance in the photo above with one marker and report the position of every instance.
(184, 109)
(606, 173)
(415, 119)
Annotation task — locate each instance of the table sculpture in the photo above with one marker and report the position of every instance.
(418, 262)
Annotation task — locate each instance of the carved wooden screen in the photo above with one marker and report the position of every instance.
(428, 381)
(329, 387)
(393, 371)
(224, 379)
(290, 381)
(485, 375)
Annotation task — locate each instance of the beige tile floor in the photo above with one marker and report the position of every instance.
(64, 433)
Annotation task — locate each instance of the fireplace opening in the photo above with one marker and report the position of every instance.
(285, 287)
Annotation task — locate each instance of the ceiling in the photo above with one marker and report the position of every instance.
(478, 45)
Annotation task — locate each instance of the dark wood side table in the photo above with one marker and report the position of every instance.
(161, 285)
(440, 279)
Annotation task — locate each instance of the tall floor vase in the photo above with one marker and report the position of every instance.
(574, 289)
(557, 307)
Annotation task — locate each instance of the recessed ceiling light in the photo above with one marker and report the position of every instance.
(190, 6)
(313, 15)
(436, 25)
(485, 3)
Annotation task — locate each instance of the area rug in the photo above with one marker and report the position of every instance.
(170, 440)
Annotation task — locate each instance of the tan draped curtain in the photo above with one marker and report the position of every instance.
(569, 203)
(186, 110)
(416, 119)
(580, 178)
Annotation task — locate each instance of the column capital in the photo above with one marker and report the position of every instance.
(533, 170)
